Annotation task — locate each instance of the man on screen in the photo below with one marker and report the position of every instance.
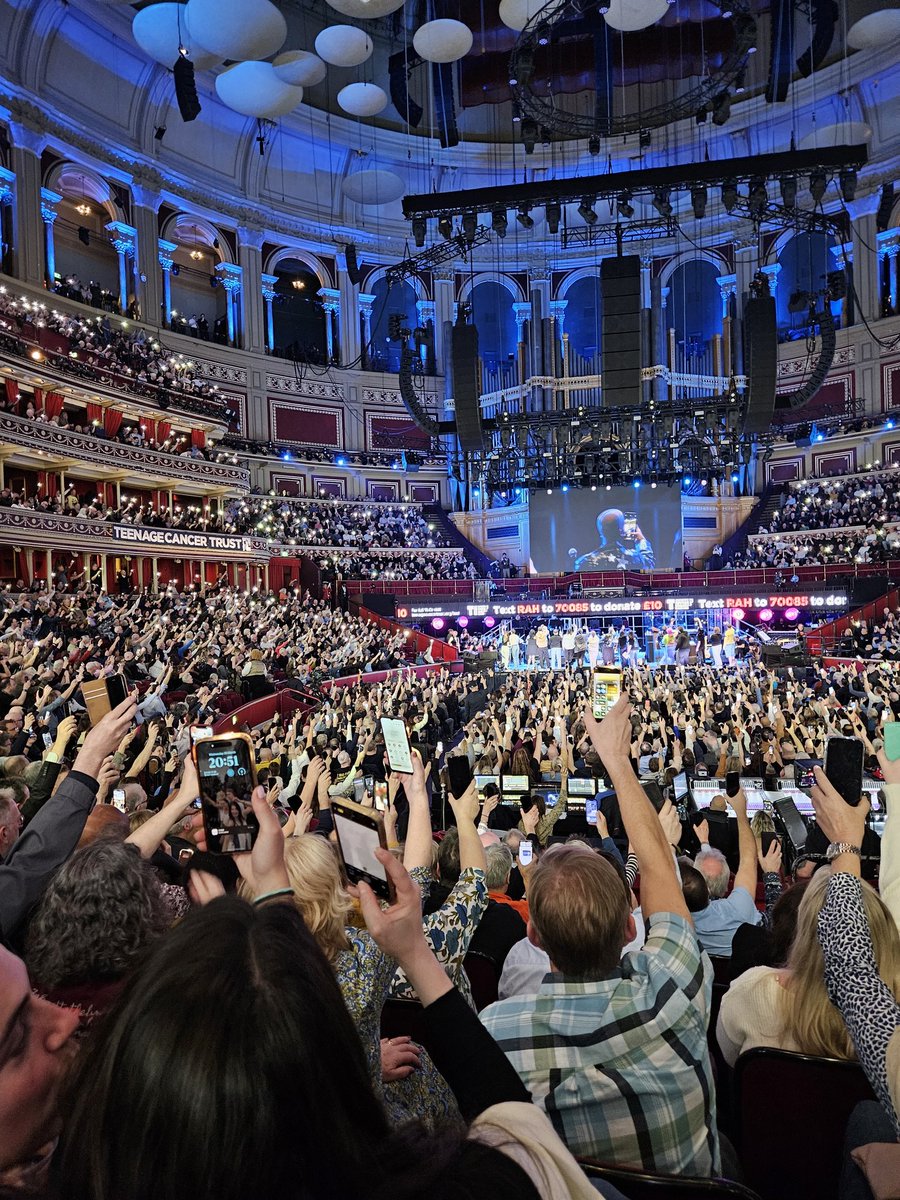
(620, 548)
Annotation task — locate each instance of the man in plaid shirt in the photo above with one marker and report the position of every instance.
(614, 1048)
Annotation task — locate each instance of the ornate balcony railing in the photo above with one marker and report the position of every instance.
(28, 527)
(64, 443)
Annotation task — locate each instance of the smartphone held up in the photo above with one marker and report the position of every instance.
(227, 774)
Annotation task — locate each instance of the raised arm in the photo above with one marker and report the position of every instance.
(660, 887)
(746, 872)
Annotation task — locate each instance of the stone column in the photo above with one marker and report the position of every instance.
(331, 302)
(49, 201)
(124, 241)
(268, 283)
(888, 252)
(444, 282)
(28, 230)
(727, 289)
(865, 262)
(7, 199)
(364, 303)
(147, 277)
(231, 275)
(771, 272)
(250, 242)
(426, 310)
(522, 312)
(165, 250)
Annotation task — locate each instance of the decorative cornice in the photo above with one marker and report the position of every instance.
(36, 435)
(307, 387)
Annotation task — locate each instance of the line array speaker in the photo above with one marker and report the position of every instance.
(761, 341)
(464, 363)
(620, 295)
(186, 89)
(353, 272)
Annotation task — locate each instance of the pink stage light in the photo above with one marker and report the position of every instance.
(792, 614)
(462, 622)
(437, 623)
(766, 614)
(737, 614)
(490, 622)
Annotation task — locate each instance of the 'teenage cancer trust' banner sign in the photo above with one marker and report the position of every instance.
(181, 539)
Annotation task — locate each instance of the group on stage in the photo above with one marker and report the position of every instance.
(552, 649)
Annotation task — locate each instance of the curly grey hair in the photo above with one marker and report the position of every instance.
(101, 912)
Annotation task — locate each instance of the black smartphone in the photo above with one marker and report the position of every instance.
(227, 774)
(766, 839)
(359, 832)
(844, 767)
(459, 773)
(732, 783)
(116, 689)
(654, 794)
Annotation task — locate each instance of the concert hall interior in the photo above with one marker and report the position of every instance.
(449, 599)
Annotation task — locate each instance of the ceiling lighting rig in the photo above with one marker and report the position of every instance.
(454, 248)
(740, 183)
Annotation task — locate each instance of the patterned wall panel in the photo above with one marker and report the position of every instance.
(890, 386)
(300, 424)
(383, 490)
(784, 470)
(837, 462)
(389, 432)
(425, 493)
(293, 485)
(323, 485)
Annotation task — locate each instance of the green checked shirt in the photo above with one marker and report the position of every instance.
(620, 1063)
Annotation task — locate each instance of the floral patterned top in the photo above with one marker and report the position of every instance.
(450, 930)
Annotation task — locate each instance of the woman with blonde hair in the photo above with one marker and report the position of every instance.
(788, 1007)
(407, 1081)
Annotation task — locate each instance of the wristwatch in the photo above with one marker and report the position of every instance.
(837, 848)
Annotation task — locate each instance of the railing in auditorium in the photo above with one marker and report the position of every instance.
(440, 651)
(826, 636)
(762, 577)
(65, 443)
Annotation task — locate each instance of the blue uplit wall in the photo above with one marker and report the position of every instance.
(694, 307)
(493, 316)
(583, 316)
(805, 261)
(401, 298)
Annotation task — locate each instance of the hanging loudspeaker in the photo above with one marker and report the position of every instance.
(353, 273)
(186, 89)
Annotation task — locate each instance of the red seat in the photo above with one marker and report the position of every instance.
(484, 978)
(791, 1111)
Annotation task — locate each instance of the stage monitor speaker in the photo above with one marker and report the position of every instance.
(761, 342)
(353, 272)
(186, 89)
(620, 298)
(466, 392)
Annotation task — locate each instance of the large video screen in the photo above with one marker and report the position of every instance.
(625, 529)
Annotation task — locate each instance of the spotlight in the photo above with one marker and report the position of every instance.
(419, 230)
(586, 211)
(553, 214)
(159, 133)
(729, 196)
(625, 207)
(740, 83)
(529, 134)
(525, 219)
(593, 145)
(847, 180)
(721, 108)
(758, 198)
(798, 302)
(445, 228)
(469, 224)
(698, 202)
(662, 203)
(645, 139)
(817, 185)
(499, 222)
(700, 116)
(789, 191)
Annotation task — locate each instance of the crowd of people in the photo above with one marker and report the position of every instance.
(394, 564)
(110, 351)
(317, 454)
(871, 499)
(152, 994)
(876, 544)
(362, 526)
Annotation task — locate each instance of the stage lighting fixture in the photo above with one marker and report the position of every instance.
(700, 116)
(525, 219)
(419, 230)
(159, 133)
(758, 198)
(586, 212)
(848, 184)
(594, 145)
(553, 213)
(499, 222)
(740, 83)
(721, 108)
(698, 201)
(662, 203)
(469, 224)
(625, 207)
(789, 191)
(817, 186)
(529, 134)
(645, 139)
(445, 228)
(836, 282)
(798, 302)
(729, 196)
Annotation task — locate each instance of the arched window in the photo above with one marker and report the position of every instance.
(694, 311)
(493, 316)
(805, 261)
(298, 315)
(583, 324)
(399, 300)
